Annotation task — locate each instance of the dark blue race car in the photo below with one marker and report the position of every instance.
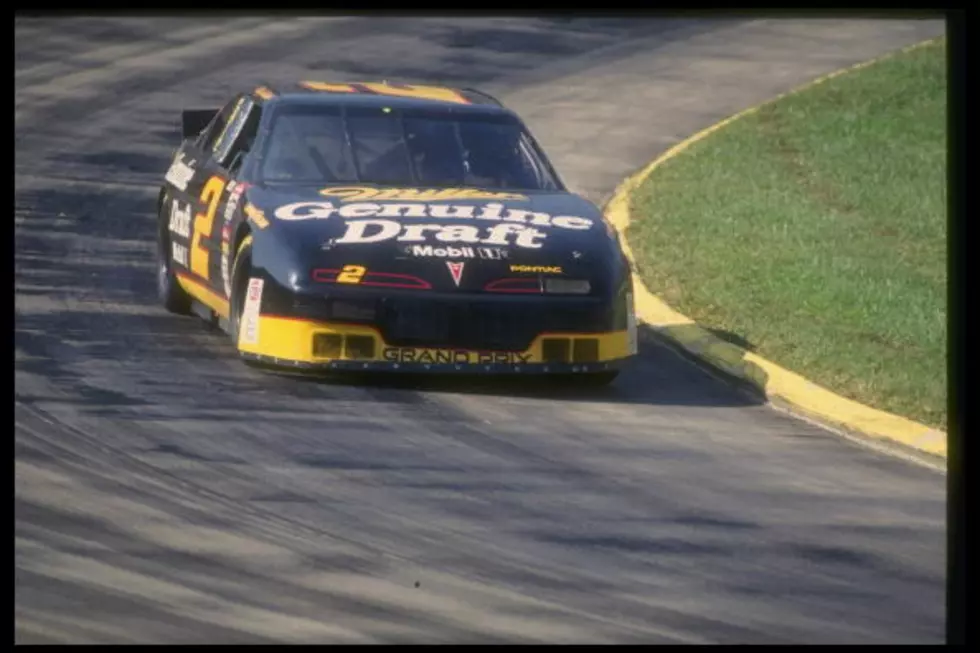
(377, 226)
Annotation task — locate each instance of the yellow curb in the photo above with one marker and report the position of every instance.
(775, 381)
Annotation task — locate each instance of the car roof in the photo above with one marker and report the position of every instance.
(380, 93)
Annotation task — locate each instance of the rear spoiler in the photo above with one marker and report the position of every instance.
(193, 121)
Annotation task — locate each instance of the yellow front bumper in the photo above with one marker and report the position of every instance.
(303, 343)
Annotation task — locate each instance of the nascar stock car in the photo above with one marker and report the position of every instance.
(375, 226)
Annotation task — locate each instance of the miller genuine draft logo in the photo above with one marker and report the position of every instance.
(366, 193)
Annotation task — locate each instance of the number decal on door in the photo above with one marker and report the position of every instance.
(351, 274)
(203, 223)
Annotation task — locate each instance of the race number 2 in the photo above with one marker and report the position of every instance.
(203, 223)
(351, 274)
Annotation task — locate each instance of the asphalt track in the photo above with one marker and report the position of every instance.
(165, 493)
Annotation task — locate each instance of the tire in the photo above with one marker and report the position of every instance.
(169, 291)
(241, 269)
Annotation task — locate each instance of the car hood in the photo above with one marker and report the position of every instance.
(433, 235)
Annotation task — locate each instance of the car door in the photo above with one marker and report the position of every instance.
(212, 195)
(191, 195)
(222, 193)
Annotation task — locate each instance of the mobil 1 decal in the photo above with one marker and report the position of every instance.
(489, 224)
(463, 251)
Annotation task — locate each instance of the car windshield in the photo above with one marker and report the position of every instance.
(310, 144)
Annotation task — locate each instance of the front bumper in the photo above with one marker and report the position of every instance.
(304, 344)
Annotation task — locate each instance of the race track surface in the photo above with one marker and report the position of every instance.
(165, 493)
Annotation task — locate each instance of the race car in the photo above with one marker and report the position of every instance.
(379, 226)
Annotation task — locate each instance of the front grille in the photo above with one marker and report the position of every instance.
(555, 350)
(512, 326)
(359, 347)
(585, 350)
(326, 345)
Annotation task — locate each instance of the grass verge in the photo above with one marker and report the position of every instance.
(815, 230)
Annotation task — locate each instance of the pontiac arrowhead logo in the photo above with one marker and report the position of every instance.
(455, 269)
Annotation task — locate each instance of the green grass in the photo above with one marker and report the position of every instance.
(815, 229)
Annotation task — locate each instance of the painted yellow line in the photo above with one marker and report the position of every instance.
(775, 381)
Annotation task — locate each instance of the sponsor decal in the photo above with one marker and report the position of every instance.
(179, 253)
(249, 330)
(491, 253)
(180, 219)
(375, 231)
(456, 270)
(491, 211)
(226, 258)
(457, 356)
(429, 251)
(364, 193)
(225, 264)
(539, 269)
(256, 215)
(631, 324)
(235, 190)
(180, 172)
(517, 223)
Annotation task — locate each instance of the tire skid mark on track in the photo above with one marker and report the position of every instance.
(96, 184)
(351, 520)
(86, 455)
(191, 604)
(86, 465)
(213, 568)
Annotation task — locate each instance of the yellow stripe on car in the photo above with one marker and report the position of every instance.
(292, 339)
(203, 294)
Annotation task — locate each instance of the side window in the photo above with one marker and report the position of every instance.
(221, 145)
(217, 127)
(239, 136)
